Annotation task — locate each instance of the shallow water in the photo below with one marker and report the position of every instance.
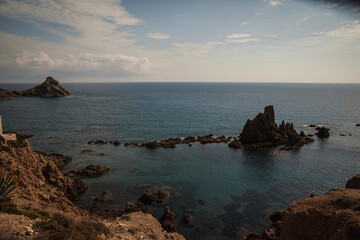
(240, 187)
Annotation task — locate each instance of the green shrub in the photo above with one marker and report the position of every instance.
(60, 227)
(7, 187)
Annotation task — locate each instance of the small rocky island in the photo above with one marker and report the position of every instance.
(262, 131)
(49, 88)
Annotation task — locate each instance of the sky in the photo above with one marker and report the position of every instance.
(180, 41)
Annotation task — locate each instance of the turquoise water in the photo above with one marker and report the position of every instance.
(240, 187)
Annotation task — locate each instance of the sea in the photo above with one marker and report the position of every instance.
(228, 192)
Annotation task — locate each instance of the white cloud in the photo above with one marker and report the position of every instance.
(158, 35)
(245, 23)
(87, 61)
(244, 40)
(239, 35)
(346, 33)
(89, 24)
(273, 3)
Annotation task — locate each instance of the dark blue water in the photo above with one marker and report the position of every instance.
(240, 187)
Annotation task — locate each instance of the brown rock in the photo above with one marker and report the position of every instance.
(323, 132)
(188, 219)
(168, 220)
(134, 207)
(353, 182)
(234, 144)
(357, 125)
(334, 215)
(147, 197)
(263, 131)
(91, 170)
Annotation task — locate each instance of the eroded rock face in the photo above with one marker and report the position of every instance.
(40, 183)
(49, 88)
(263, 131)
(90, 171)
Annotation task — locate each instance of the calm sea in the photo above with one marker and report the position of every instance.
(239, 188)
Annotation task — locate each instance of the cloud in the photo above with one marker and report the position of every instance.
(158, 35)
(245, 23)
(245, 40)
(89, 23)
(270, 35)
(82, 62)
(272, 3)
(239, 35)
(346, 33)
(240, 38)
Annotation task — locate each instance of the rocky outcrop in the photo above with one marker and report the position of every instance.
(151, 195)
(101, 142)
(263, 131)
(357, 125)
(49, 88)
(353, 182)
(323, 132)
(172, 142)
(90, 171)
(234, 144)
(335, 215)
(40, 183)
(168, 220)
(59, 159)
(134, 207)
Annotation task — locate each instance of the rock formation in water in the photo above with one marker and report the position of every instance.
(168, 220)
(49, 88)
(335, 215)
(263, 131)
(90, 171)
(323, 132)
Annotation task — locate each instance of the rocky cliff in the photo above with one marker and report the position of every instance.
(49, 88)
(333, 216)
(41, 189)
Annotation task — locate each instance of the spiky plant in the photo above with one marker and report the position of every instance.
(7, 187)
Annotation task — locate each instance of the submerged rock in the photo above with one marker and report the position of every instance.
(188, 219)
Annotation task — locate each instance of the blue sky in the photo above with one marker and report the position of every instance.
(180, 40)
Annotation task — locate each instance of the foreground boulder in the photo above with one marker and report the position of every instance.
(49, 88)
(90, 171)
(335, 215)
(263, 131)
